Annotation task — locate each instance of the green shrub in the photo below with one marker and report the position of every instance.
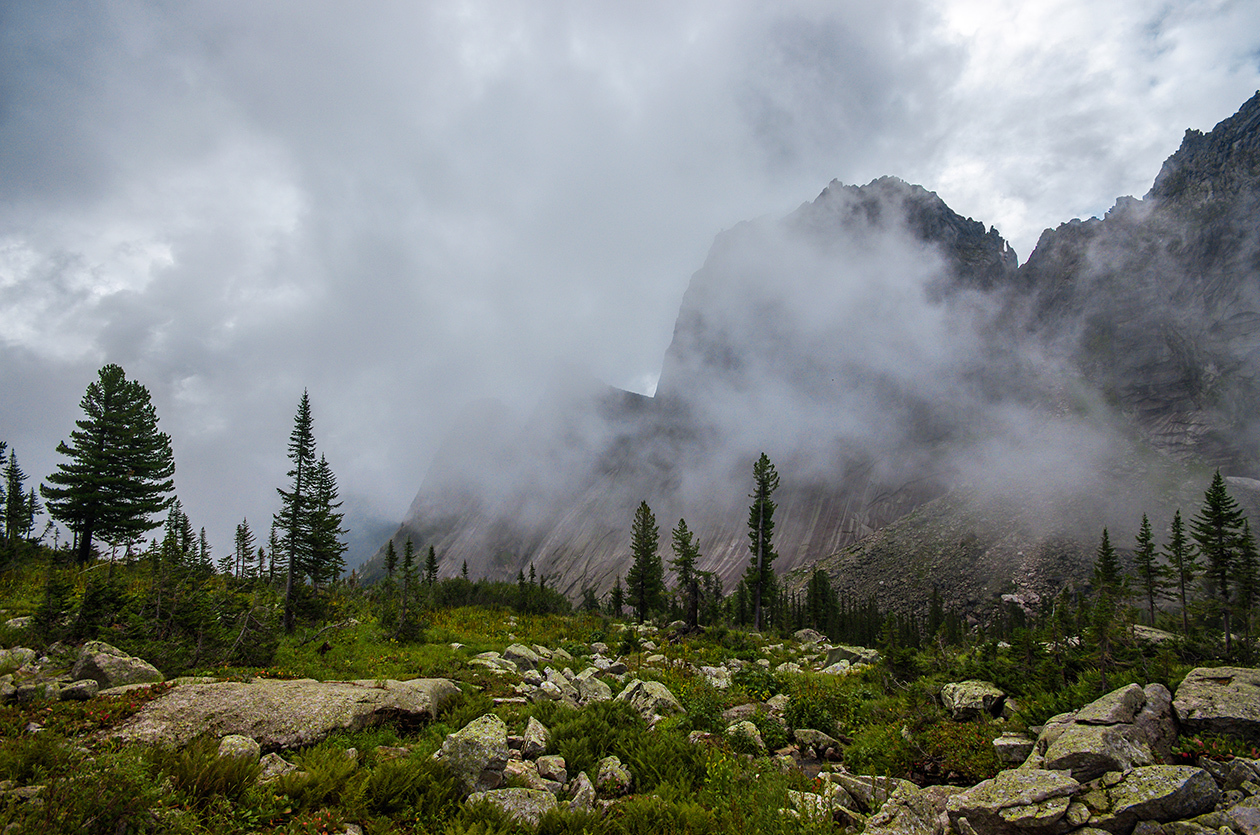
(599, 730)
(962, 749)
(197, 771)
(324, 772)
(704, 704)
(758, 682)
(879, 749)
(30, 758)
(118, 796)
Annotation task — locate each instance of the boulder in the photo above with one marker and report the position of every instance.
(526, 772)
(748, 732)
(591, 689)
(612, 778)
(1220, 700)
(272, 767)
(1156, 793)
(79, 691)
(854, 655)
(12, 659)
(477, 753)
(1158, 722)
(522, 656)
(869, 793)
(1117, 707)
(809, 636)
(1088, 751)
(553, 767)
(908, 811)
(583, 793)
(235, 745)
(1017, 799)
(281, 714)
(973, 699)
(717, 677)
(535, 739)
(525, 806)
(650, 699)
(110, 667)
(1013, 748)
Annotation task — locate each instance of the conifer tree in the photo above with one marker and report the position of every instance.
(324, 526)
(760, 574)
(293, 518)
(1107, 593)
(617, 598)
(463, 570)
(430, 568)
(120, 468)
(1217, 529)
(1151, 576)
(647, 575)
(686, 554)
(1181, 559)
(244, 543)
(388, 588)
(19, 507)
(408, 622)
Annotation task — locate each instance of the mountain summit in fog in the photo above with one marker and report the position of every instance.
(940, 415)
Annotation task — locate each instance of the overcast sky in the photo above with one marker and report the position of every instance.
(405, 207)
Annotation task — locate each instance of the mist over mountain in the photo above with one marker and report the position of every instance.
(940, 415)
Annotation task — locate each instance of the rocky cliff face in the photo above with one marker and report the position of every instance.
(890, 355)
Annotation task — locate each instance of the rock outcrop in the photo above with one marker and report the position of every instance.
(1220, 700)
(281, 714)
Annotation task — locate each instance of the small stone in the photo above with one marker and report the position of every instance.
(237, 745)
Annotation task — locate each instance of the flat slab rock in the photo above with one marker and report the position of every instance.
(281, 714)
(1220, 700)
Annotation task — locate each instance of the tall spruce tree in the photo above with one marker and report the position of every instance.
(326, 548)
(760, 576)
(1181, 559)
(244, 545)
(616, 598)
(1108, 585)
(19, 506)
(1217, 529)
(120, 468)
(1151, 576)
(293, 520)
(647, 575)
(686, 554)
(431, 568)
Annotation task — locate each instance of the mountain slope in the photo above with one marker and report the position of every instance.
(890, 355)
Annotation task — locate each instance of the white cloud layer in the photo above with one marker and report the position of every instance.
(405, 207)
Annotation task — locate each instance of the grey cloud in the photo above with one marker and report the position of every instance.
(406, 208)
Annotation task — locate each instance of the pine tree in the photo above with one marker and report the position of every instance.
(686, 554)
(430, 568)
(1217, 529)
(1151, 577)
(326, 548)
(294, 517)
(19, 510)
(463, 570)
(647, 575)
(1181, 558)
(1107, 593)
(121, 468)
(244, 548)
(388, 605)
(408, 621)
(760, 574)
(617, 598)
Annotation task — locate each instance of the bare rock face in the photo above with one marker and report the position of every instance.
(1220, 700)
(281, 714)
